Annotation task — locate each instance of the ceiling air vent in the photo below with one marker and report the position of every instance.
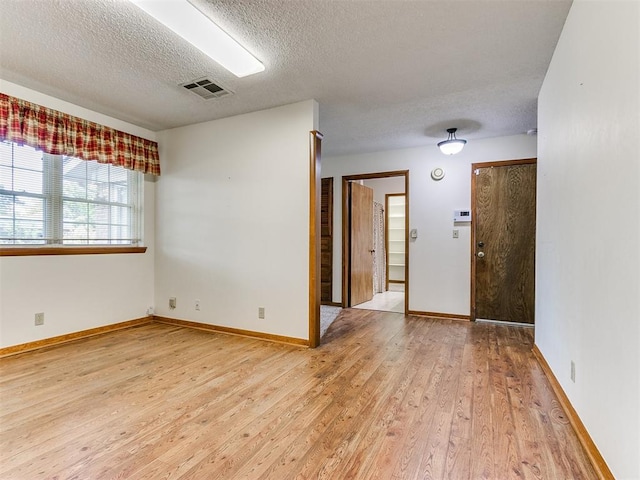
(205, 88)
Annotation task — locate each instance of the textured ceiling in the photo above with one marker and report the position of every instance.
(387, 74)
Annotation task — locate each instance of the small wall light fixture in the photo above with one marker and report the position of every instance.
(452, 145)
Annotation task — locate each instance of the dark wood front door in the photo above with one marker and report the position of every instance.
(361, 212)
(503, 236)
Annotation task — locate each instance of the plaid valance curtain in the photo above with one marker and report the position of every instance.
(57, 133)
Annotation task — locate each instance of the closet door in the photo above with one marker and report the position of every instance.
(326, 241)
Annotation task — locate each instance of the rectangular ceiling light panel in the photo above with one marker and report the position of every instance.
(196, 28)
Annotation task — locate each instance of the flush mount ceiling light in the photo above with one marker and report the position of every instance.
(452, 145)
(196, 28)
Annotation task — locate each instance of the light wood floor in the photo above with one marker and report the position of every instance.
(385, 397)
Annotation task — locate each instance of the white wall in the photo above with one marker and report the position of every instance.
(383, 186)
(588, 261)
(233, 221)
(439, 265)
(75, 292)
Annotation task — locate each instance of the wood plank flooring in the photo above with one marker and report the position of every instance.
(384, 397)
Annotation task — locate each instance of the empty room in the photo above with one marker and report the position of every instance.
(342, 239)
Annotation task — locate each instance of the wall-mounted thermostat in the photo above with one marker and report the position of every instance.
(462, 215)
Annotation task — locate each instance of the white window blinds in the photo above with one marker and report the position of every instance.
(57, 200)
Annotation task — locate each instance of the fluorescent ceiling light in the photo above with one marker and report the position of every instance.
(196, 28)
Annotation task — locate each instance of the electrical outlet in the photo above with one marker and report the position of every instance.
(172, 303)
(456, 233)
(39, 318)
(261, 312)
(573, 371)
(197, 304)
(150, 311)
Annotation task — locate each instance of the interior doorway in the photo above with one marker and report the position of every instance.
(375, 241)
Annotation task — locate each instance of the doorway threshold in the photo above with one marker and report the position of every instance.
(504, 322)
(388, 301)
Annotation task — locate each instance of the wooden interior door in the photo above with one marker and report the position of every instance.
(361, 216)
(504, 229)
(326, 241)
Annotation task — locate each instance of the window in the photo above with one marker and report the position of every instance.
(57, 200)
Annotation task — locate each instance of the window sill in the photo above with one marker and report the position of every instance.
(98, 250)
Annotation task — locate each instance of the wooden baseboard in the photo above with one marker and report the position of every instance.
(598, 463)
(69, 250)
(331, 304)
(69, 337)
(449, 316)
(233, 331)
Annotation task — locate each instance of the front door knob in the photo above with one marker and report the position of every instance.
(480, 254)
